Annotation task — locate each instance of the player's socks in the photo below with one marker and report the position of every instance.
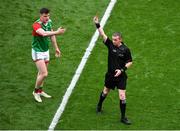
(38, 89)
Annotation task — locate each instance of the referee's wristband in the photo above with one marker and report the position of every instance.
(123, 69)
(98, 25)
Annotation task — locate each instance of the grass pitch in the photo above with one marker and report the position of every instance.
(150, 29)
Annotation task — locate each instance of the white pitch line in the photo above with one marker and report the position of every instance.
(80, 67)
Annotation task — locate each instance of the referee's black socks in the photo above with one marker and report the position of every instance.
(123, 108)
(101, 98)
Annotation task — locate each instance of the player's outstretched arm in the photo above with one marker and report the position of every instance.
(101, 31)
(54, 43)
(42, 32)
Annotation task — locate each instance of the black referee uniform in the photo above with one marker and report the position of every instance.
(117, 58)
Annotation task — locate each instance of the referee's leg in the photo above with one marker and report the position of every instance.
(102, 97)
(122, 97)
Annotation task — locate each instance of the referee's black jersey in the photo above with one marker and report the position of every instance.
(117, 56)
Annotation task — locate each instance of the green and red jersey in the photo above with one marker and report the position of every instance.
(41, 43)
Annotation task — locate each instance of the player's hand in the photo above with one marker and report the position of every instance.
(96, 19)
(58, 53)
(61, 30)
(118, 72)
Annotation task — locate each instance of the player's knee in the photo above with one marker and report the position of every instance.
(44, 74)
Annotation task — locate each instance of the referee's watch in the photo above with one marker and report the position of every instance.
(123, 69)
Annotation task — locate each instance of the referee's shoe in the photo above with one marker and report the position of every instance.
(125, 121)
(99, 109)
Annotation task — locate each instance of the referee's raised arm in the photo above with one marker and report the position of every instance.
(101, 31)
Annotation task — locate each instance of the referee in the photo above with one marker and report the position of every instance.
(119, 60)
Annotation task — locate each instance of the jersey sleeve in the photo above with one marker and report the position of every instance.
(108, 42)
(128, 55)
(36, 26)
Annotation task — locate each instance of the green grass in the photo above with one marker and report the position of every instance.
(18, 110)
(151, 30)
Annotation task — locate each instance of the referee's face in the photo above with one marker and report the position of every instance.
(116, 40)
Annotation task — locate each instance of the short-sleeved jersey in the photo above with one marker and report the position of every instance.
(41, 43)
(117, 56)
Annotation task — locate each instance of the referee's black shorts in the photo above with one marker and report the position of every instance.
(112, 82)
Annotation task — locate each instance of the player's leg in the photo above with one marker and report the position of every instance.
(41, 56)
(42, 74)
(41, 87)
(42, 84)
(42, 71)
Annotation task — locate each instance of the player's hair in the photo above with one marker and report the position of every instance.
(117, 34)
(44, 11)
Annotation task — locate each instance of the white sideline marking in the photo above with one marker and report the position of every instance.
(80, 67)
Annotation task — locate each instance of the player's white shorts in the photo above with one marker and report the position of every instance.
(40, 56)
